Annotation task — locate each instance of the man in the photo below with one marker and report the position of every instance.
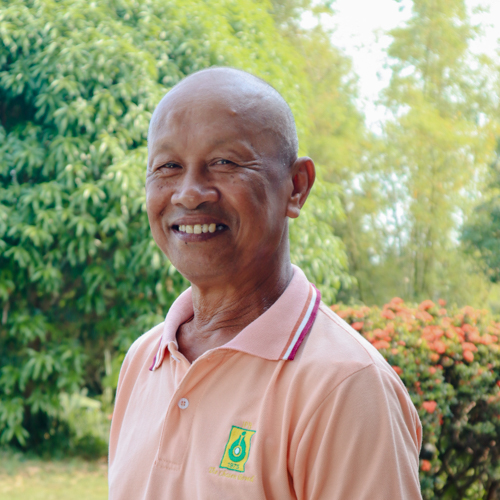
(251, 388)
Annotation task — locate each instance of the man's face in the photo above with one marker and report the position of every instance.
(216, 189)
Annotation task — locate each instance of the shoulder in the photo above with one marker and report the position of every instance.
(353, 407)
(332, 342)
(338, 368)
(333, 352)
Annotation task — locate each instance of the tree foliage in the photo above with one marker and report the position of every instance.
(341, 146)
(424, 168)
(439, 143)
(79, 273)
(482, 232)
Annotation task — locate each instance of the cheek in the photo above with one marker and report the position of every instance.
(157, 198)
(246, 195)
(258, 204)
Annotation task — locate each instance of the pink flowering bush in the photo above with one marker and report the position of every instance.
(450, 363)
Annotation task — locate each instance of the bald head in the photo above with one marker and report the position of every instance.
(245, 95)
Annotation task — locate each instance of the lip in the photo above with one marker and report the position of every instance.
(197, 238)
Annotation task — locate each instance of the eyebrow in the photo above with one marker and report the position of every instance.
(235, 146)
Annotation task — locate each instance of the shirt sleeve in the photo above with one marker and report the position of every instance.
(117, 415)
(362, 442)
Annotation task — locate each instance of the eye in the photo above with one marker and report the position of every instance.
(223, 161)
(168, 166)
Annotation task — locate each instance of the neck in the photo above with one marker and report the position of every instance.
(222, 311)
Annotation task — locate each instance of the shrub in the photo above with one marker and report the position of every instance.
(450, 363)
(87, 425)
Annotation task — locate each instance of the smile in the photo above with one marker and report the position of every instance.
(199, 228)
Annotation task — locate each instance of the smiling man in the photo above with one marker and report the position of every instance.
(251, 388)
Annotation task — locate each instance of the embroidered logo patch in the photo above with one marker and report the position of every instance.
(237, 449)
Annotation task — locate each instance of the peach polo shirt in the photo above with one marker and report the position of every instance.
(297, 406)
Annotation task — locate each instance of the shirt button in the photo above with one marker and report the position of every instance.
(183, 403)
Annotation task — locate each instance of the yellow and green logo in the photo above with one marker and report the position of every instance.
(237, 449)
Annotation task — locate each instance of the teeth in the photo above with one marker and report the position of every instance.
(200, 228)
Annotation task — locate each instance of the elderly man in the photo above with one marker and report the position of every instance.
(251, 388)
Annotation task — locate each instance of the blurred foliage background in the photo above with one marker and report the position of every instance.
(411, 210)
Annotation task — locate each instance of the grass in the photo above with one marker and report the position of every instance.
(23, 477)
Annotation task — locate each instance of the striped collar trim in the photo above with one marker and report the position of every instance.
(304, 323)
(156, 359)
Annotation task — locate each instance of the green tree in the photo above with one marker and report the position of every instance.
(482, 232)
(436, 146)
(287, 14)
(339, 144)
(79, 272)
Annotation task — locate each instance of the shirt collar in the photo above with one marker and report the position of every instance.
(276, 334)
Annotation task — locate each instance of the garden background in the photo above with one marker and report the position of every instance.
(401, 232)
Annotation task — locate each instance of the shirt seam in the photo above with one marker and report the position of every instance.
(374, 361)
(341, 382)
(349, 333)
(339, 324)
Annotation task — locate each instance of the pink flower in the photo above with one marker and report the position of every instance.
(388, 314)
(426, 304)
(381, 344)
(468, 356)
(469, 346)
(396, 301)
(429, 406)
(425, 465)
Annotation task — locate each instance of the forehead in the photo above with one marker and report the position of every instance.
(193, 112)
(210, 109)
(195, 107)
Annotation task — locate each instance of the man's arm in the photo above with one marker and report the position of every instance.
(362, 443)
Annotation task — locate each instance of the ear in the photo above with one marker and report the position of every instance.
(303, 175)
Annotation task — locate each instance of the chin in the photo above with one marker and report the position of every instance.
(200, 272)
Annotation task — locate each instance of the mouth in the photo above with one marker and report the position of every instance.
(199, 228)
(194, 233)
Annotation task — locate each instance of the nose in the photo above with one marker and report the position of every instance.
(194, 190)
